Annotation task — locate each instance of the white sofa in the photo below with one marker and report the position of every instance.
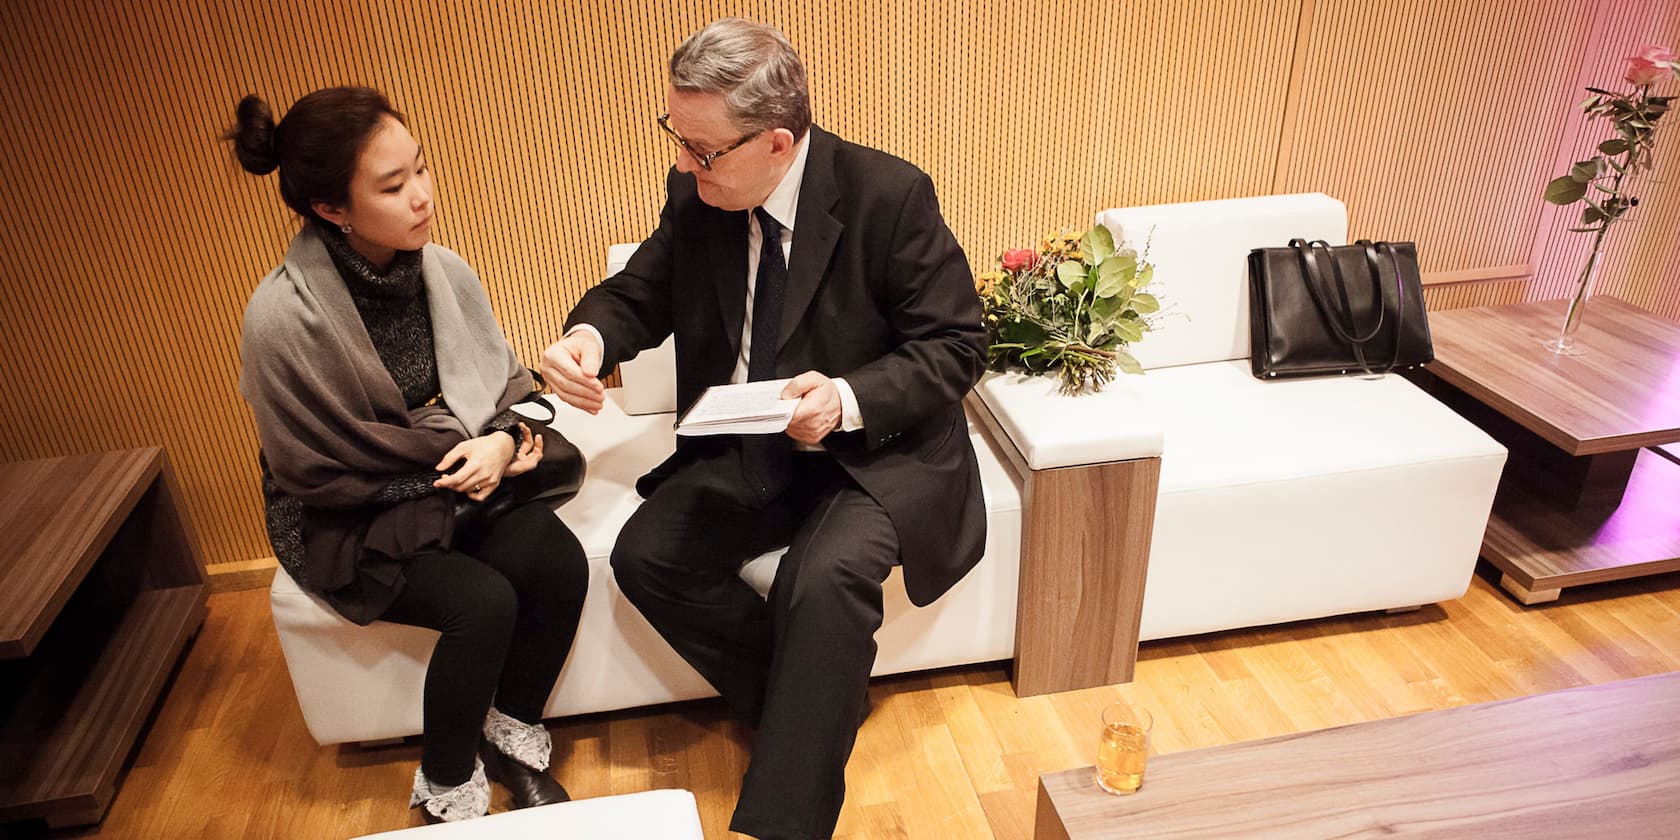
(1278, 500)
(1292, 499)
(363, 684)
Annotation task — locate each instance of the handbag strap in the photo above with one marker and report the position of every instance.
(1372, 251)
(1314, 278)
(535, 398)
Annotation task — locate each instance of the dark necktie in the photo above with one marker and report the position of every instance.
(767, 300)
(767, 459)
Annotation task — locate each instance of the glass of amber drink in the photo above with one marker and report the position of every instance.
(1124, 747)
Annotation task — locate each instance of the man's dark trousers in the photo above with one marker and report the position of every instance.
(808, 649)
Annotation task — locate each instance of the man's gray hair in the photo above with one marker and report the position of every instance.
(755, 69)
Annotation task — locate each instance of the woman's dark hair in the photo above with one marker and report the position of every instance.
(315, 146)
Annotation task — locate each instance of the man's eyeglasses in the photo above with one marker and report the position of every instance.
(704, 159)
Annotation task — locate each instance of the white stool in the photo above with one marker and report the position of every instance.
(649, 815)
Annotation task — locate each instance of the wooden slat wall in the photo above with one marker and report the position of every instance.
(132, 240)
(1434, 120)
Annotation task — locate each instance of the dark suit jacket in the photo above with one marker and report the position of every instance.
(878, 292)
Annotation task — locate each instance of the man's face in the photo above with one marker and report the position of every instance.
(740, 179)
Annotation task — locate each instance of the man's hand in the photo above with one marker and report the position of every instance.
(818, 412)
(572, 366)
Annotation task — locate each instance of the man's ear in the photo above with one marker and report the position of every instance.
(781, 141)
(335, 215)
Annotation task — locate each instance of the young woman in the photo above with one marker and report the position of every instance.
(381, 386)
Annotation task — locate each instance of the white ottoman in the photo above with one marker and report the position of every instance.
(649, 815)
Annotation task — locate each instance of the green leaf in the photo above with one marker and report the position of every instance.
(1144, 277)
(1127, 260)
(1127, 362)
(1591, 214)
(1585, 170)
(1071, 272)
(1098, 244)
(1145, 304)
(1562, 191)
(1128, 330)
(1613, 147)
(1113, 275)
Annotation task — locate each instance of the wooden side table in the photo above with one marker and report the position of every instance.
(1583, 499)
(100, 589)
(1085, 527)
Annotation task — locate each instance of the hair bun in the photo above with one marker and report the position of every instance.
(253, 136)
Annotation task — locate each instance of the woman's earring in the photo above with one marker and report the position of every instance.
(345, 227)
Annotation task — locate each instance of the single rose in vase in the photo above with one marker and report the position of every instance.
(1601, 181)
(1018, 259)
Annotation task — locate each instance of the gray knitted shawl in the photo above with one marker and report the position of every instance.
(333, 425)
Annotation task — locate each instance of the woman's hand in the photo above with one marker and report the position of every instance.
(483, 460)
(529, 455)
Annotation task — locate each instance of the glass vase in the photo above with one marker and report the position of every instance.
(1564, 344)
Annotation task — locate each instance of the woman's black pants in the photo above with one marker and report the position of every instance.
(506, 599)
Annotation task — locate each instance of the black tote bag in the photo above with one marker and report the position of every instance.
(1317, 309)
(554, 480)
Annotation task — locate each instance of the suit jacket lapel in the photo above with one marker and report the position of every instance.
(814, 235)
(728, 270)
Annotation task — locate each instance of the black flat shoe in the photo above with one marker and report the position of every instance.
(530, 788)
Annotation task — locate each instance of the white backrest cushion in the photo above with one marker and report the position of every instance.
(1200, 253)
(650, 379)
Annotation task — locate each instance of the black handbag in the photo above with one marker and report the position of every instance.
(554, 480)
(1317, 309)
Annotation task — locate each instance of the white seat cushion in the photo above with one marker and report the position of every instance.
(1299, 499)
(662, 814)
(1225, 427)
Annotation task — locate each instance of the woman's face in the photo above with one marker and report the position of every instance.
(390, 207)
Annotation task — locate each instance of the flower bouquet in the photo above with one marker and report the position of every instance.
(1071, 306)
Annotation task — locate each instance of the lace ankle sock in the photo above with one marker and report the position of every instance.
(526, 743)
(450, 804)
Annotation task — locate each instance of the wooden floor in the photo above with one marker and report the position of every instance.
(949, 754)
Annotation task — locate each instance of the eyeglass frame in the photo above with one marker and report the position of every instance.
(705, 160)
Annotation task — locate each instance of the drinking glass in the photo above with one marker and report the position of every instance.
(1124, 747)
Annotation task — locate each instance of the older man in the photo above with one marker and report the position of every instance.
(786, 252)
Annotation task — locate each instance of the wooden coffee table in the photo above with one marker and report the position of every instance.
(1584, 498)
(1599, 761)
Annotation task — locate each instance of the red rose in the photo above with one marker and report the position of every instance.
(1650, 66)
(1019, 259)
